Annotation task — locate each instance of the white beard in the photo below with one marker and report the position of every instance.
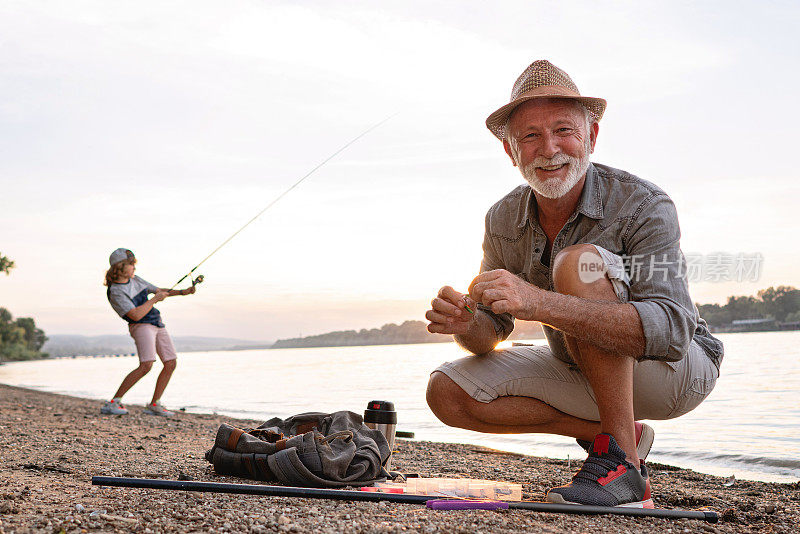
(556, 187)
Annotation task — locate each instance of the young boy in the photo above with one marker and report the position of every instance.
(128, 294)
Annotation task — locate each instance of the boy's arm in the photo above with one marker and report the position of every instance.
(140, 311)
(174, 292)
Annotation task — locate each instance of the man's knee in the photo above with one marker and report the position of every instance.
(578, 269)
(445, 398)
(170, 365)
(144, 367)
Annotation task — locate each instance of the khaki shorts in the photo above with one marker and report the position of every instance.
(661, 390)
(151, 340)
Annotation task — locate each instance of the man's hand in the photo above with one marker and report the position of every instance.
(504, 292)
(448, 313)
(160, 295)
(189, 291)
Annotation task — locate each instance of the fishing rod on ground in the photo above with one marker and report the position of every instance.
(349, 495)
(199, 278)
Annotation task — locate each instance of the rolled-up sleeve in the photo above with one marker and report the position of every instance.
(503, 323)
(659, 289)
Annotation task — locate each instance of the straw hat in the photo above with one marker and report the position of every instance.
(541, 79)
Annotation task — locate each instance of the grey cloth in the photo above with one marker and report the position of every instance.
(628, 216)
(310, 449)
(132, 294)
(122, 297)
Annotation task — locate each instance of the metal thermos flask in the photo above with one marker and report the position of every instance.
(380, 415)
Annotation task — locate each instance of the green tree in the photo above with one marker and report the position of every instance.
(714, 314)
(743, 308)
(780, 302)
(34, 338)
(20, 339)
(6, 265)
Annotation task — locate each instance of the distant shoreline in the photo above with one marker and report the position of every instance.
(123, 354)
(318, 342)
(409, 332)
(67, 345)
(735, 330)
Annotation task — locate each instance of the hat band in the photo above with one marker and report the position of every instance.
(549, 90)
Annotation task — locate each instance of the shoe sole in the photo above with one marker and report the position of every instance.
(558, 499)
(150, 412)
(641, 504)
(645, 441)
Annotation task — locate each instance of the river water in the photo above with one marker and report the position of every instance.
(748, 427)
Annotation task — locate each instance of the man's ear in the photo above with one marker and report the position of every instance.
(510, 152)
(593, 135)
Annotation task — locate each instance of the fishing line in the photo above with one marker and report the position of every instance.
(298, 182)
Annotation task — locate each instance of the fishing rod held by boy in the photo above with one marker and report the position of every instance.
(276, 199)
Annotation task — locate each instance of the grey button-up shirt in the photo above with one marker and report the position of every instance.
(632, 218)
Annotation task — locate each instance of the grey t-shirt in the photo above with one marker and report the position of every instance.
(125, 297)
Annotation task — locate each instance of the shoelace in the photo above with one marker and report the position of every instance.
(596, 467)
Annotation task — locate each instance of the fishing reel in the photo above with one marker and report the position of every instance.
(195, 281)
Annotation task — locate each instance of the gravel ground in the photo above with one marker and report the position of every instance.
(51, 445)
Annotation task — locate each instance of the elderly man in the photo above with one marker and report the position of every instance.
(592, 253)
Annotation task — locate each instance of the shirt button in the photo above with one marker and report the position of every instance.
(536, 250)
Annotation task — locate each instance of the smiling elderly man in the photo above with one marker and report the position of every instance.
(592, 253)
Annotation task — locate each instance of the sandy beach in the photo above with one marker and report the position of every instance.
(51, 445)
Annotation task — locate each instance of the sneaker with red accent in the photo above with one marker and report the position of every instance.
(113, 407)
(606, 479)
(644, 439)
(156, 408)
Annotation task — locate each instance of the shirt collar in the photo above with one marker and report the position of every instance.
(590, 203)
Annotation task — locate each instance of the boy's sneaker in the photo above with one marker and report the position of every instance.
(156, 408)
(644, 440)
(113, 407)
(606, 479)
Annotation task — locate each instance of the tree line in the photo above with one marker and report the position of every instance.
(392, 334)
(388, 334)
(19, 338)
(781, 304)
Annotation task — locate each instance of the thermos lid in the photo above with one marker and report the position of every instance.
(380, 412)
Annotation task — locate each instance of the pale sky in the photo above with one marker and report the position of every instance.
(164, 126)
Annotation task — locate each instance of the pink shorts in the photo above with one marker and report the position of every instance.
(151, 340)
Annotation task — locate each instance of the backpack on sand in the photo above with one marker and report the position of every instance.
(310, 449)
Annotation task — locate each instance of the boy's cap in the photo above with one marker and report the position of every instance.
(121, 254)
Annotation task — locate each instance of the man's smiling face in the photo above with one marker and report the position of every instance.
(550, 140)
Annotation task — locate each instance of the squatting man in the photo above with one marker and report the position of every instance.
(623, 344)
